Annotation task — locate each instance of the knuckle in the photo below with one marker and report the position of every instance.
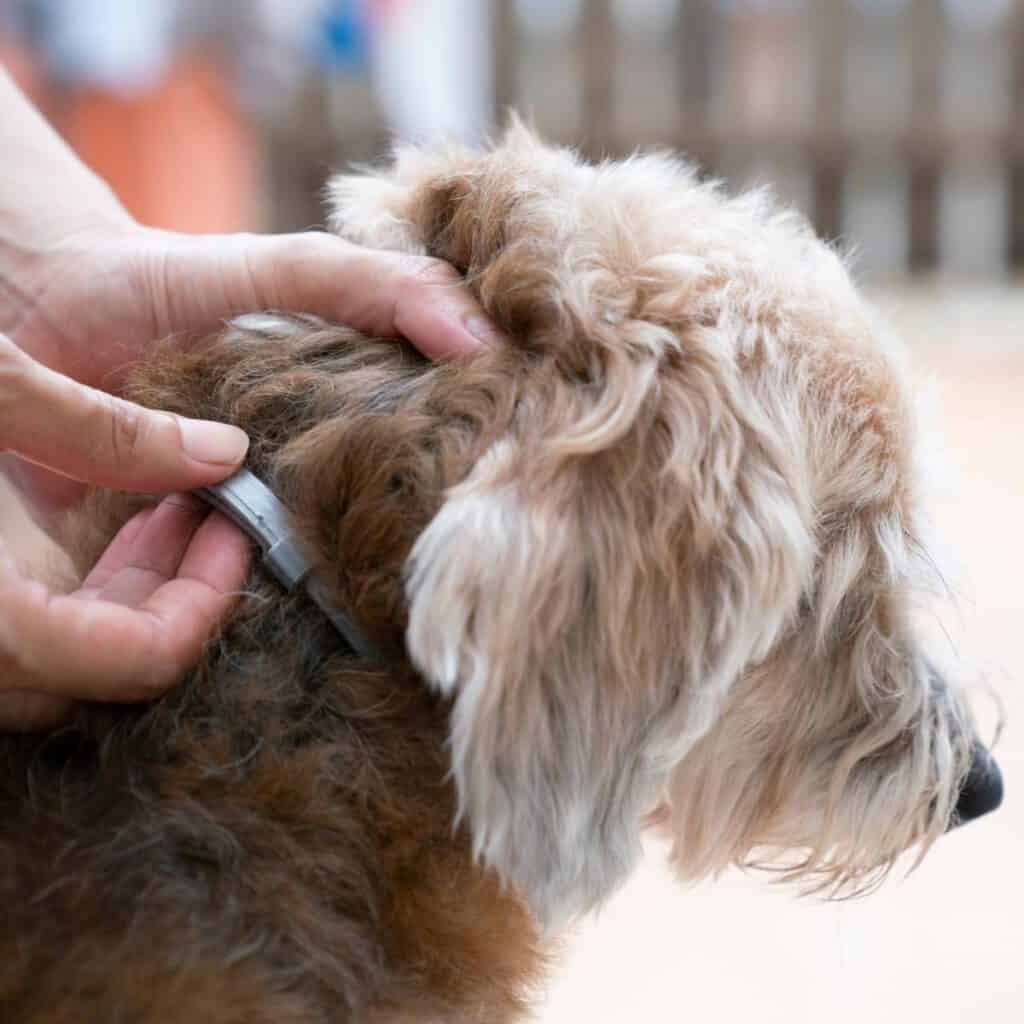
(15, 369)
(161, 662)
(292, 255)
(28, 598)
(142, 668)
(305, 247)
(425, 270)
(127, 429)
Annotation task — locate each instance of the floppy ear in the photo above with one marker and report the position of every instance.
(505, 602)
(589, 591)
(587, 598)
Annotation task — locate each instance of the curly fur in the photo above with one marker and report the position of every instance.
(685, 575)
(656, 558)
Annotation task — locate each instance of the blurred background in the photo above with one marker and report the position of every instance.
(896, 125)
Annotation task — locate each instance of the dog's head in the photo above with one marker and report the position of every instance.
(681, 581)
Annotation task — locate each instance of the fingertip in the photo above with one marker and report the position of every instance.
(223, 555)
(440, 333)
(193, 606)
(467, 327)
(485, 331)
(450, 344)
(216, 444)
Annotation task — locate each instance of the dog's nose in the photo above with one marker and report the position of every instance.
(982, 790)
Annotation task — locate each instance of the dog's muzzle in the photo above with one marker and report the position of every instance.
(982, 790)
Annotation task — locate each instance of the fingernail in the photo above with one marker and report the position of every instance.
(216, 443)
(486, 331)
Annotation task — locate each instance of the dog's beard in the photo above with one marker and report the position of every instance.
(828, 795)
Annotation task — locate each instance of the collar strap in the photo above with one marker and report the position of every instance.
(254, 508)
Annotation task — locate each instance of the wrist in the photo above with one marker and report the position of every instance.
(54, 290)
(33, 254)
(49, 201)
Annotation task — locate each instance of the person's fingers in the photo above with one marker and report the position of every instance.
(146, 553)
(383, 294)
(92, 436)
(433, 311)
(70, 646)
(424, 300)
(117, 555)
(25, 710)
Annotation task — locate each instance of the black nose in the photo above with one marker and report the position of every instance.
(982, 790)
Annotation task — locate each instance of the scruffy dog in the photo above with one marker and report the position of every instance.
(653, 561)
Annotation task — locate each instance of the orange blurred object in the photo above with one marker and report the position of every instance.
(180, 156)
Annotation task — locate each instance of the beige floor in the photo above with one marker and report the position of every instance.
(945, 946)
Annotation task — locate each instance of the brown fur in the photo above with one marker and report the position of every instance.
(655, 558)
(272, 841)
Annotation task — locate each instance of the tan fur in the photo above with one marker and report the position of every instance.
(656, 559)
(684, 577)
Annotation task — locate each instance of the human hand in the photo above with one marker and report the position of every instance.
(83, 291)
(84, 288)
(144, 612)
(91, 304)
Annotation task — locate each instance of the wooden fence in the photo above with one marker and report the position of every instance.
(916, 122)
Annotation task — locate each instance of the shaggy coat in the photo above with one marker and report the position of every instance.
(656, 559)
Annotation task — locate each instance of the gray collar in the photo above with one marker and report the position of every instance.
(252, 506)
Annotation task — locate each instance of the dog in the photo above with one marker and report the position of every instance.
(653, 563)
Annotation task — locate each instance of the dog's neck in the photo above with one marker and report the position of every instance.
(361, 440)
(254, 508)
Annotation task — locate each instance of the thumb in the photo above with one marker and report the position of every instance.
(91, 436)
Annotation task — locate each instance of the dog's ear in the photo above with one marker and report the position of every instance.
(586, 598)
(507, 613)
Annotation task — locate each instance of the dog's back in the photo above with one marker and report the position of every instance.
(274, 839)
